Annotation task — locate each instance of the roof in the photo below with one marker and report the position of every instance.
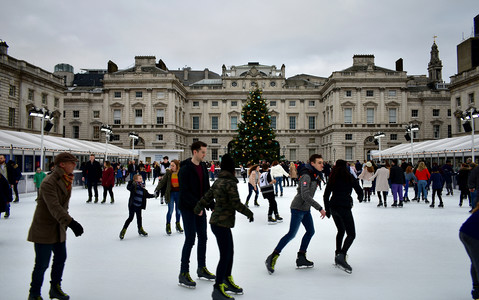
(193, 76)
(88, 79)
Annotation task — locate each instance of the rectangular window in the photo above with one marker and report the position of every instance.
(292, 140)
(471, 98)
(292, 122)
(214, 154)
(234, 103)
(292, 103)
(349, 153)
(234, 123)
(435, 112)
(115, 137)
(349, 94)
(159, 137)
(393, 137)
(96, 114)
(214, 123)
(449, 131)
(370, 115)
(311, 103)
(414, 113)
(196, 122)
(138, 116)
(160, 95)
(458, 101)
(369, 93)
(196, 103)
(415, 134)
(392, 93)
(195, 140)
(312, 141)
(56, 102)
(312, 122)
(437, 131)
(116, 116)
(31, 95)
(348, 137)
(214, 140)
(272, 103)
(160, 116)
(12, 91)
(139, 94)
(292, 154)
(76, 132)
(214, 103)
(392, 115)
(117, 95)
(76, 114)
(273, 122)
(30, 122)
(449, 112)
(348, 115)
(11, 116)
(96, 132)
(44, 98)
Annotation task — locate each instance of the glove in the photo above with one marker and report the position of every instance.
(76, 227)
(251, 219)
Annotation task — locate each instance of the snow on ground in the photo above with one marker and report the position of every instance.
(399, 253)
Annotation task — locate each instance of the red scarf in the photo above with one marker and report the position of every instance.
(68, 180)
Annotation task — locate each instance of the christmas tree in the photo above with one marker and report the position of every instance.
(255, 139)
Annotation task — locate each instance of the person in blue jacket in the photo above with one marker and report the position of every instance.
(469, 236)
(437, 183)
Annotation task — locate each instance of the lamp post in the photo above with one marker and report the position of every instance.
(44, 114)
(108, 132)
(134, 138)
(409, 133)
(470, 114)
(284, 152)
(378, 137)
(334, 155)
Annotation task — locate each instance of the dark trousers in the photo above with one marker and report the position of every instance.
(132, 211)
(439, 195)
(15, 190)
(193, 226)
(472, 248)
(273, 205)
(90, 184)
(108, 189)
(43, 254)
(385, 195)
(285, 180)
(343, 218)
(224, 238)
(251, 190)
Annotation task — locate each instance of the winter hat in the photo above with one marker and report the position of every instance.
(227, 164)
(369, 164)
(64, 157)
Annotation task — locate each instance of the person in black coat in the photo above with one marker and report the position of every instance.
(398, 181)
(14, 176)
(5, 196)
(92, 172)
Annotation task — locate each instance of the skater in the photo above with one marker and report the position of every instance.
(410, 178)
(365, 176)
(462, 181)
(243, 172)
(50, 222)
(172, 194)
(469, 236)
(92, 174)
(194, 183)
(382, 184)
(37, 179)
(136, 203)
(423, 176)
(293, 172)
(253, 181)
(118, 175)
(164, 165)
(14, 176)
(108, 181)
(277, 172)
(473, 184)
(437, 183)
(266, 182)
(341, 185)
(448, 172)
(5, 194)
(224, 193)
(398, 181)
(309, 176)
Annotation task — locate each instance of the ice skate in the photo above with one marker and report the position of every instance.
(271, 221)
(142, 232)
(122, 233)
(279, 219)
(57, 293)
(184, 280)
(395, 204)
(271, 262)
(178, 227)
(168, 229)
(103, 201)
(400, 204)
(203, 273)
(302, 262)
(441, 205)
(380, 204)
(219, 293)
(96, 200)
(340, 262)
(30, 297)
(230, 286)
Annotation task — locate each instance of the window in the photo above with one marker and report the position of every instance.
(415, 134)
(449, 112)
(272, 103)
(214, 103)
(234, 103)
(160, 95)
(392, 115)
(56, 102)
(348, 115)
(196, 103)
(214, 140)
(30, 122)
(64, 115)
(139, 94)
(292, 154)
(76, 113)
(234, 83)
(392, 93)
(195, 140)
(31, 95)
(214, 154)
(311, 103)
(115, 137)
(348, 136)
(349, 153)
(312, 141)
(292, 122)
(12, 91)
(11, 116)
(159, 137)
(312, 122)
(160, 116)
(414, 113)
(44, 98)
(196, 122)
(96, 132)
(138, 116)
(76, 132)
(393, 137)
(471, 98)
(436, 130)
(458, 101)
(449, 131)
(435, 112)
(116, 116)
(292, 140)
(273, 122)
(234, 123)
(96, 114)
(117, 95)
(349, 94)
(292, 103)
(214, 123)
(369, 93)
(370, 115)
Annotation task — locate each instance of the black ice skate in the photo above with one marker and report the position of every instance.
(203, 273)
(230, 286)
(57, 293)
(142, 232)
(219, 293)
(271, 262)
(302, 262)
(340, 262)
(184, 280)
(178, 227)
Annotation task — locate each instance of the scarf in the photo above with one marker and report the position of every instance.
(68, 180)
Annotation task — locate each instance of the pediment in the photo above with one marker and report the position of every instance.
(370, 103)
(138, 104)
(117, 104)
(393, 104)
(348, 103)
(160, 104)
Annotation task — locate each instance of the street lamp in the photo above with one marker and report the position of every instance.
(378, 137)
(134, 140)
(284, 152)
(470, 114)
(44, 114)
(108, 132)
(410, 136)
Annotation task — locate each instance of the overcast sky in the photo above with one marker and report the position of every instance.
(313, 37)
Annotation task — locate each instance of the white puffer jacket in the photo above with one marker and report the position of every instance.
(278, 171)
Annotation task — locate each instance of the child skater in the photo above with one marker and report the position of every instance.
(365, 176)
(266, 182)
(225, 191)
(136, 203)
(437, 182)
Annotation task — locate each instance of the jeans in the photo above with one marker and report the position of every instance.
(193, 225)
(343, 218)
(472, 248)
(250, 190)
(174, 198)
(421, 188)
(406, 189)
(298, 217)
(279, 181)
(224, 238)
(43, 253)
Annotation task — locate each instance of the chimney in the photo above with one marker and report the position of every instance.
(3, 48)
(476, 26)
(206, 73)
(399, 65)
(185, 73)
